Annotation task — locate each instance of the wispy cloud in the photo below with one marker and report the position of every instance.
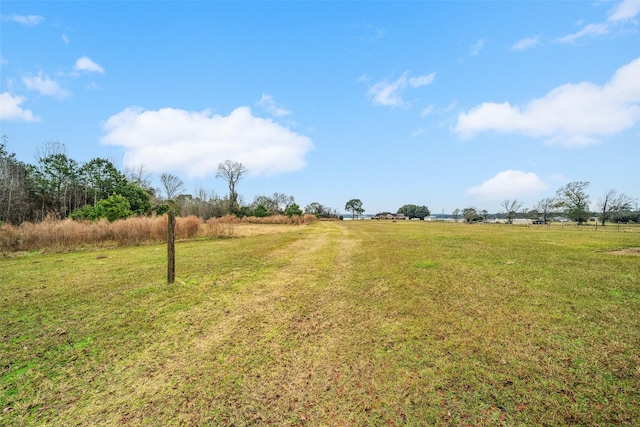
(11, 110)
(43, 84)
(570, 115)
(509, 184)
(526, 44)
(46, 85)
(623, 13)
(27, 20)
(366, 32)
(269, 104)
(417, 132)
(427, 111)
(589, 30)
(87, 65)
(65, 39)
(389, 94)
(477, 47)
(194, 143)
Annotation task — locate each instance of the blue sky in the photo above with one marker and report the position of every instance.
(449, 104)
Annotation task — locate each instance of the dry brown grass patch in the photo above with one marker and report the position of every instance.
(628, 251)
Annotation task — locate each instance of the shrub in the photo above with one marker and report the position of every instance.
(260, 211)
(114, 207)
(87, 212)
(293, 209)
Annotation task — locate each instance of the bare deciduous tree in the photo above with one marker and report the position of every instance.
(231, 172)
(173, 185)
(282, 201)
(613, 202)
(320, 211)
(139, 176)
(511, 207)
(546, 208)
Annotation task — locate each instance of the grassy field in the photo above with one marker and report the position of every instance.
(335, 323)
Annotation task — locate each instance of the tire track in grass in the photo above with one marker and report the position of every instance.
(294, 332)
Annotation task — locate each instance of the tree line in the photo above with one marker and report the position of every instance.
(572, 202)
(57, 186)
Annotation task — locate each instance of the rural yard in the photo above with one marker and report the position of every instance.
(333, 323)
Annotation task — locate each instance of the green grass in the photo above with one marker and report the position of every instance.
(336, 323)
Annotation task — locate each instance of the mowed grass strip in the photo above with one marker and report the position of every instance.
(341, 323)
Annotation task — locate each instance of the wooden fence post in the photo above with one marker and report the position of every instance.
(171, 248)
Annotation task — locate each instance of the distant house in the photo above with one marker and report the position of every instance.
(389, 215)
(522, 221)
(497, 221)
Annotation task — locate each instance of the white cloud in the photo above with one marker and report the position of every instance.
(427, 111)
(452, 106)
(86, 64)
(389, 94)
(588, 30)
(271, 106)
(623, 13)
(196, 142)
(65, 39)
(526, 44)
(45, 85)
(422, 80)
(10, 109)
(477, 47)
(28, 20)
(417, 132)
(509, 184)
(569, 115)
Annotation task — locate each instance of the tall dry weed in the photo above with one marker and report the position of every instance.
(134, 231)
(230, 219)
(188, 227)
(54, 234)
(280, 219)
(217, 227)
(10, 238)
